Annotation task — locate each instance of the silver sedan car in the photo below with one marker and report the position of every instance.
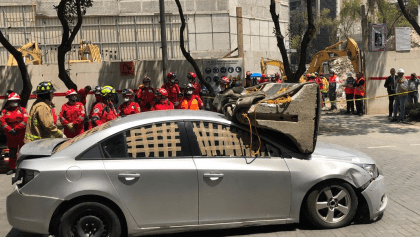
(173, 171)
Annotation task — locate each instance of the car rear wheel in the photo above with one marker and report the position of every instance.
(331, 205)
(90, 219)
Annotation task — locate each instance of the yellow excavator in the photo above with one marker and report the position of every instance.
(267, 61)
(30, 53)
(331, 52)
(88, 53)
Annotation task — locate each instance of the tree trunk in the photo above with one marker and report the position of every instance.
(280, 43)
(66, 41)
(409, 17)
(310, 32)
(27, 86)
(187, 55)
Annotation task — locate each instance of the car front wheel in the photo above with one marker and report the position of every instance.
(90, 219)
(331, 205)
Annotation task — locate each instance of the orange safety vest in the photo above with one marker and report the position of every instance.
(360, 90)
(190, 104)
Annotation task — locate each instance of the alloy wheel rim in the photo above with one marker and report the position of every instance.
(91, 224)
(333, 204)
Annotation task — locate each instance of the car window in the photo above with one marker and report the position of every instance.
(219, 140)
(93, 153)
(114, 147)
(157, 140)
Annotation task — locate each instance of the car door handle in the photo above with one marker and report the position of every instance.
(210, 175)
(129, 176)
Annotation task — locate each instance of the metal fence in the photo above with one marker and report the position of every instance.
(119, 38)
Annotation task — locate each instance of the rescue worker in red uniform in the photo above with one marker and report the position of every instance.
(359, 93)
(263, 79)
(197, 87)
(98, 98)
(163, 102)
(172, 88)
(104, 111)
(191, 101)
(72, 115)
(332, 90)
(224, 85)
(13, 120)
(83, 94)
(146, 95)
(349, 90)
(128, 107)
(277, 78)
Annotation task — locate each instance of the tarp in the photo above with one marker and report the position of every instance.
(256, 74)
(288, 108)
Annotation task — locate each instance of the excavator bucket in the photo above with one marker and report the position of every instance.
(291, 109)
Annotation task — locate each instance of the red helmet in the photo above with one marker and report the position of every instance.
(191, 75)
(146, 79)
(225, 81)
(71, 92)
(248, 73)
(277, 75)
(308, 75)
(13, 96)
(263, 76)
(171, 75)
(127, 92)
(162, 92)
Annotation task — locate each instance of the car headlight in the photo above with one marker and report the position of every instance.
(371, 169)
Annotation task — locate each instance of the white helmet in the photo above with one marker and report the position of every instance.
(400, 70)
(349, 74)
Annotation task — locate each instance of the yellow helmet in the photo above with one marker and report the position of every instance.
(313, 75)
(107, 90)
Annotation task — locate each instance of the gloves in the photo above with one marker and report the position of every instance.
(148, 106)
(70, 127)
(13, 132)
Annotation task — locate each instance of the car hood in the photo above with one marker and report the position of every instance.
(39, 148)
(339, 153)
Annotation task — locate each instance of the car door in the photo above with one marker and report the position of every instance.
(235, 185)
(153, 172)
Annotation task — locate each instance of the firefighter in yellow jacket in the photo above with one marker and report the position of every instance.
(41, 122)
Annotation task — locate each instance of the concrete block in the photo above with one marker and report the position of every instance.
(190, 6)
(206, 6)
(272, 41)
(203, 23)
(247, 26)
(247, 43)
(130, 7)
(221, 41)
(264, 43)
(233, 25)
(222, 5)
(192, 42)
(255, 27)
(264, 30)
(255, 43)
(233, 41)
(150, 6)
(220, 23)
(204, 41)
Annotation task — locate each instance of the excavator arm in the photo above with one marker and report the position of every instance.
(272, 62)
(30, 53)
(88, 53)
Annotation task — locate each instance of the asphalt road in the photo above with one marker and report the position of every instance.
(396, 149)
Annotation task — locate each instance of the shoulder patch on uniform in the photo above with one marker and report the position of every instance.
(96, 110)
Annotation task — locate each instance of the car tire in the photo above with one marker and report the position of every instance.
(331, 205)
(89, 217)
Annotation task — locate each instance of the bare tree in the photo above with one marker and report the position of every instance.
(68, 11)
(410, 18)
(187, 55)
(309, 34)
(27, 86)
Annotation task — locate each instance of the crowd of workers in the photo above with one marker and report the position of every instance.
(399, 91)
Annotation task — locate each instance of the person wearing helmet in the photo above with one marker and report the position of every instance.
(197, 87)
(83, 94)
(41, 121)
(263, 79)
(277, 78)
(324, 90)
(248, 80)
(72, 115)
(359, 93)
(13, 121)
(312, 77)
(128, 107)
(332, 93)
(145, 95)
(104, 111)
(163, 102)
(349, 90)
(224, 85)
(191, 101)
(172, 88)
(98, 99)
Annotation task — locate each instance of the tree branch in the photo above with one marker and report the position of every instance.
(393, 24)
(187, 55)
(79, 23)
(27, 86)
(309, 34)
(410, 18)
(280, 42)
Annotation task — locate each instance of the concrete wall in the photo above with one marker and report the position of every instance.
(106, 73)
(378, 64)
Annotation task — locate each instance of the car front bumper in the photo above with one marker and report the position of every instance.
(375, 197)
(30, 213)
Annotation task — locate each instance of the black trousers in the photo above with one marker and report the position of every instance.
(350, 103)
(391, 105)
(359, 104)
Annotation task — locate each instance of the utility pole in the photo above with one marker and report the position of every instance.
(163, 37)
